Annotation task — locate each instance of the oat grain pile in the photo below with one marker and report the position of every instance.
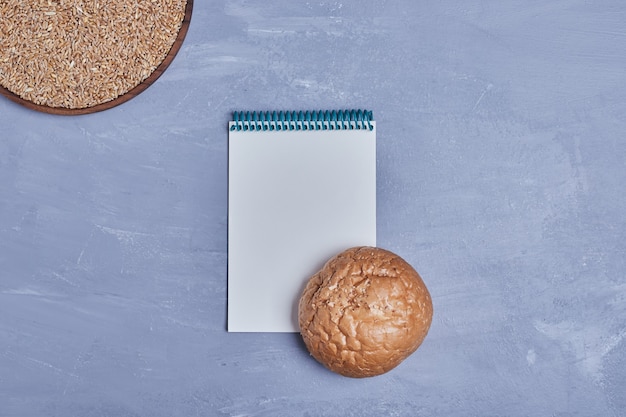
(80, 53)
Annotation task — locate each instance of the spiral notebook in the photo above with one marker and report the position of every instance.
(301, 188)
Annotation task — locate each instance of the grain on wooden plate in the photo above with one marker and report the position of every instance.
(80, 53)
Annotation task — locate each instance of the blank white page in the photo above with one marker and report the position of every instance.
(295, 199)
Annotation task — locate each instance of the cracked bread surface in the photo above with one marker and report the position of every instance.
(364, 312)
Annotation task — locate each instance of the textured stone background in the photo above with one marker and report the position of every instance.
(501, 172)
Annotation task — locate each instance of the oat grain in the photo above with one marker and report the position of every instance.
(80, 53)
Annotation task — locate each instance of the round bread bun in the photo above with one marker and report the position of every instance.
(364, 312)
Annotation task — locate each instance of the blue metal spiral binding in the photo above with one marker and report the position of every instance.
(302, 120)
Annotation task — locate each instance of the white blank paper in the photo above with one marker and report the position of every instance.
(295, 199)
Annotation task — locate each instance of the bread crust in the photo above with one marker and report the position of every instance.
(364, 312)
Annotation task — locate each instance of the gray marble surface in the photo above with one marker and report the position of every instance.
(501, 172)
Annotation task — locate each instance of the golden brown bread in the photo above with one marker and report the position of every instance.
(364, 312)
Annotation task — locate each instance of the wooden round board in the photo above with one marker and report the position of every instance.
(122, 98)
